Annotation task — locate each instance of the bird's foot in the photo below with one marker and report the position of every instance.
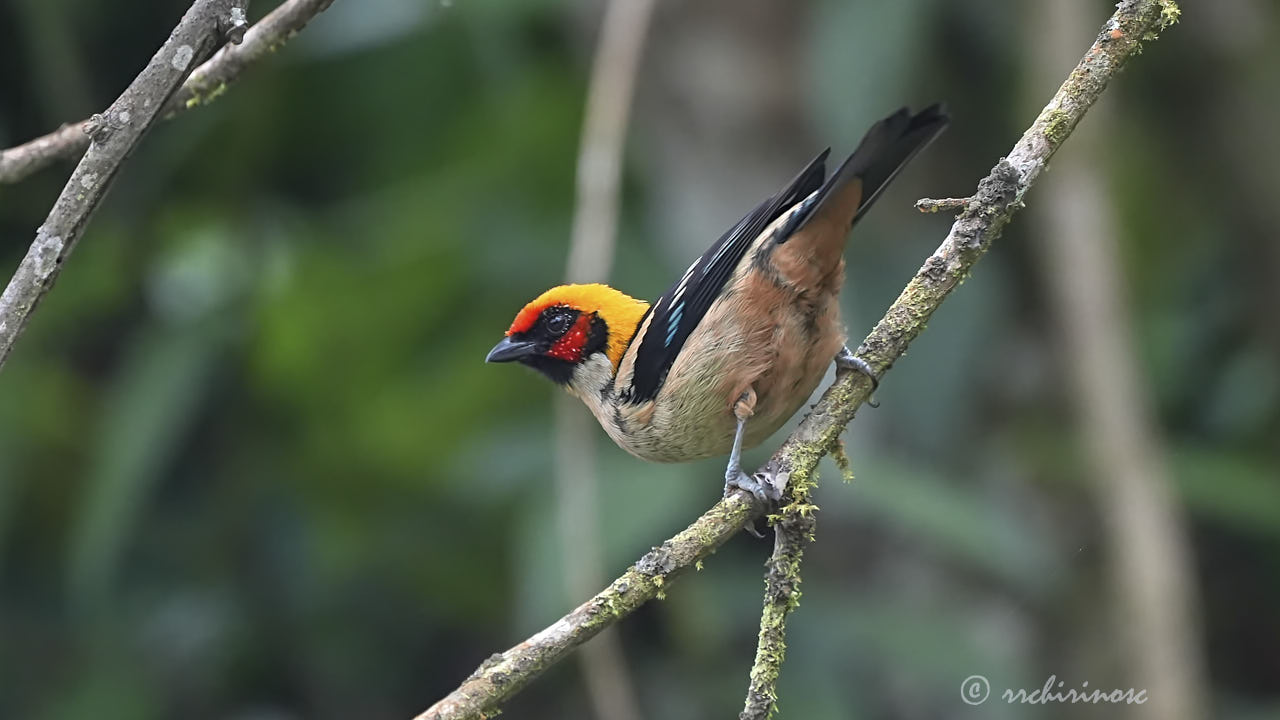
(846, 360)
(761, 485)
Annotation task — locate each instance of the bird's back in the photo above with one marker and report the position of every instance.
(774, 330)
(770, 324)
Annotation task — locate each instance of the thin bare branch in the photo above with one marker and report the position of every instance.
(17, 162)
(998, 198)
(114, 135)
(206, 82)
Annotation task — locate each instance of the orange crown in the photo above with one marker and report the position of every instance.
(620, 312)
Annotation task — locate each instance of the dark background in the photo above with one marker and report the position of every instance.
(253, 466)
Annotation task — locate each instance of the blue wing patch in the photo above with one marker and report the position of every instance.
(674, 324)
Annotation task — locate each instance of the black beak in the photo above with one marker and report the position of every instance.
(508, 350)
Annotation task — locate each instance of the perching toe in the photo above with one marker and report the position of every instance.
(759, 485)
(847, 360)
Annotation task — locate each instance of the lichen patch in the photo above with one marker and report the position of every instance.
(182, 57)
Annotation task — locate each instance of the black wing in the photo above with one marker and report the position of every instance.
(681, 308)
(886, 148)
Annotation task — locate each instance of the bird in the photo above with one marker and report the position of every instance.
(736, 346)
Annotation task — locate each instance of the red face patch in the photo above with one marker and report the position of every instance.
(569, 346)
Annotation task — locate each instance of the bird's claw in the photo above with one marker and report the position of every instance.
(760, 485)
(847, 360)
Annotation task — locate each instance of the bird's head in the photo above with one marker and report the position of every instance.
(571, 326)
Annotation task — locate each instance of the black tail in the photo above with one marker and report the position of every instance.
(886, 148)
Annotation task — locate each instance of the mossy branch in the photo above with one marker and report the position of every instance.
(793, 529)
(998, 197)
(206, 82)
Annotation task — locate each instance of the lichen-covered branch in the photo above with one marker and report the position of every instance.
(793, 529)
(983, 217)
(998, 197)
(206, 82)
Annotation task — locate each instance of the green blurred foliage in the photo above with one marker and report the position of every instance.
(252, 465)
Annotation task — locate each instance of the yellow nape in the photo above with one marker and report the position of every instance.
(620, 312)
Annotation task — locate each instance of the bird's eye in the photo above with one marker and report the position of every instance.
(558, 323)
